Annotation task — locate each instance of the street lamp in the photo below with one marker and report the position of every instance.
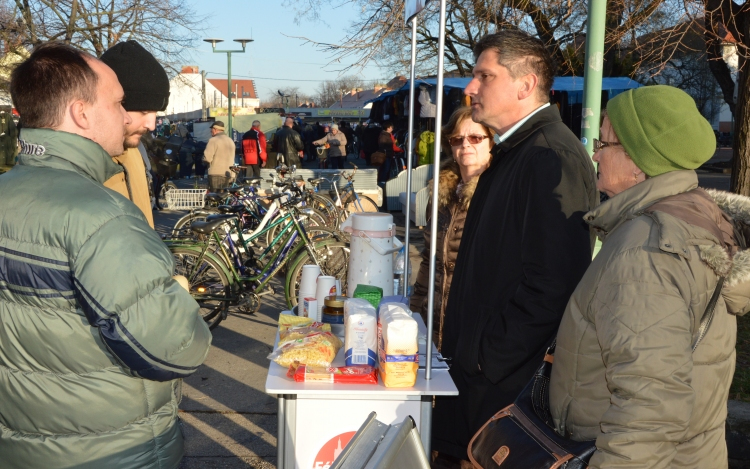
(229, 53)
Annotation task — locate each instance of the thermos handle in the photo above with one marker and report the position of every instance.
(397, 245)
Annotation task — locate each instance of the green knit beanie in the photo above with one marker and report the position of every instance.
(661, 129)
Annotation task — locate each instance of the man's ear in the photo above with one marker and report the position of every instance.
(80, 114)
(528, 85)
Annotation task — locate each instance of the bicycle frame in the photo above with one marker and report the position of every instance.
(229, 257)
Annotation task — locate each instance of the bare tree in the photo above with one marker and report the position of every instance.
(166, 27)
(380, 35)
(727, 21)
(292, 97)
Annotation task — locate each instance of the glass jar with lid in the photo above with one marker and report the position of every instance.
(333, 309)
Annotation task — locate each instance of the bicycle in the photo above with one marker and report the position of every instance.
(347, 200)
(220, 275)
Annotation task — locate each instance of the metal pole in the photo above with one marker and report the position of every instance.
(409, 152)
(592, 75)
(229, 91)
(435, 190)
(203, 95)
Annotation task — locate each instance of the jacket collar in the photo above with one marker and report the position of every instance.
(544, 117)
(64, 150)
(450, 178)
(631, 202)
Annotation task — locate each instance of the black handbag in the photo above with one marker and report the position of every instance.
(522, 435)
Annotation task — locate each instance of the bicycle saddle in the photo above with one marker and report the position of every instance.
(252, 181)
(231, 208)
(316, 181)
(206, 227)
(214, 197)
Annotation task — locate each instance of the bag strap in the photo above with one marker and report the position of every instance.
(708, 315)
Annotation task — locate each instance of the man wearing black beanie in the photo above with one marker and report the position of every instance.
(146, 87)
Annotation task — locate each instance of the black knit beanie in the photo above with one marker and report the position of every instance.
(144, 80)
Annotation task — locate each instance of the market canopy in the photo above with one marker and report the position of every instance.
(616, 84)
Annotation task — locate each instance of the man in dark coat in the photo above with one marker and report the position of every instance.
(288, 146)
(525, 245)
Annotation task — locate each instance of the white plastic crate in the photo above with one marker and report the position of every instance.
(185, 199)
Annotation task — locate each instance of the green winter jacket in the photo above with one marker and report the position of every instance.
(624, 373)
(94, 332)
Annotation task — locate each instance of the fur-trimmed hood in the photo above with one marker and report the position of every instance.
(450, 177)
(720, 231)
(736, 269)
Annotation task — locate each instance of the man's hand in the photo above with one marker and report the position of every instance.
(263, 164)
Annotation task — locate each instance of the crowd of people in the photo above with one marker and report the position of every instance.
(96, 333)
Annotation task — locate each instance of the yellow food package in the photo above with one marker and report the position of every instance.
(398, 350)
(315, 349)
(289, 320)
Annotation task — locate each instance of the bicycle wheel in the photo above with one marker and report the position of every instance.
(365, 204)
(326, 208)
(162, 200)
(333, 259)
(208, 283)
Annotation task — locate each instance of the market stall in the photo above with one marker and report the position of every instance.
(317, 419)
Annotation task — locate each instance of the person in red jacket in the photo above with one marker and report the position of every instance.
(254, 150)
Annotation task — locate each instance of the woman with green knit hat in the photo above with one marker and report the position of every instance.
(625, 373)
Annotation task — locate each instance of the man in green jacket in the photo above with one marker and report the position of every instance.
(95, 335)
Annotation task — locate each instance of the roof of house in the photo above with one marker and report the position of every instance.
(238, 85)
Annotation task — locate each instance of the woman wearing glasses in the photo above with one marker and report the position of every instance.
(469, 145)
(629, 369)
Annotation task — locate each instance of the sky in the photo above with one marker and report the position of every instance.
(275, 59)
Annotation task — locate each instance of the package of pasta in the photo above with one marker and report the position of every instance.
(293, 333)
(316, 349)
(359, 374)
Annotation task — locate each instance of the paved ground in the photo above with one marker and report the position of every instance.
(229, 421)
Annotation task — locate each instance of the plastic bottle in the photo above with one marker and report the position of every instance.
(398, 273)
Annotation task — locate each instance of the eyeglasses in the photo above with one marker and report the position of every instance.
(598, 144)
(473, 139)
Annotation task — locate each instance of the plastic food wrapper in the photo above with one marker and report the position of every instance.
(396, 307)
(361, 338)
(293, 333)
(341, 374)
(316, 349)
(290, 320)
(398, 349)
(370, 293)
(357, 305)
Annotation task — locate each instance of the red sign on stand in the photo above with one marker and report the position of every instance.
(331, 450)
